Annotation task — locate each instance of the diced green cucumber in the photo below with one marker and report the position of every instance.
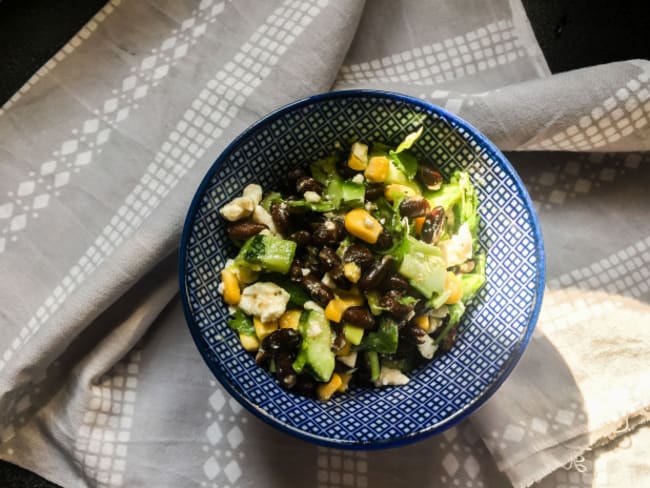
(315, 354)
(267, 253)
(353, 194)
(439, 300)
(353, 334)
(345, 193)
(423, 266)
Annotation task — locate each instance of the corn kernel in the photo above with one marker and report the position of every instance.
(326, 391)
(358, 159)
(231, 292)
(377, 169)
(334, 310)
(394, 191)
(290, 319)
(250, 343)
(338, 305)
(352, 272)
(361, 224)
(345, 381)
(263, 330)
(423, 322)
(454, 286)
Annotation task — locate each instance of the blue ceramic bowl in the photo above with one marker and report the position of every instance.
(494, 331)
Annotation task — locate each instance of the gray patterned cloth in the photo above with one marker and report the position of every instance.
(100, 154)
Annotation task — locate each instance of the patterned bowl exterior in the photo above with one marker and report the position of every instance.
(494, 331)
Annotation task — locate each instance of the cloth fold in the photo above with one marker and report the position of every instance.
(583, 378)
(102, 150)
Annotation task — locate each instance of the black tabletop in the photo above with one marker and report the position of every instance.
(571, 34)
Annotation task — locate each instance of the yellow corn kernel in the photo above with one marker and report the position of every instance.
(334, 310)
(423, 322)
(337, 305)
(345, 381)
(290, 319)
(418, 222)
(454, 287)
(352, 272)
(231, 292)
(361, 224)
(345, 350)
(263, 330)
(250, 343)
(377, 169)
(358, 159)
(326, 391)
(394, 191)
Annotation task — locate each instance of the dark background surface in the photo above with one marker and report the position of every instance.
(572, 34)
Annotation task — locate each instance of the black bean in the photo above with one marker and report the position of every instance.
(295, 272)
(384, 241)
(307, 183)
(359, 316)
(245, 230)
(284, 372)
(431, 178)
(280, 215)
(328, 233)
(374, 191)
(328, 258)
(393, 281)
(282, 340)
(433, 225)
(413, 207)
(375, 274)
(301, 238)
(358, 254)
(313, 267)
(321, 293)
(390, 301)
(413, 333)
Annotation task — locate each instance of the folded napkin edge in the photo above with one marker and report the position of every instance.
(606, 434)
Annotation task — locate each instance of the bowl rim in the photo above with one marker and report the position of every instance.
(420, 434)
